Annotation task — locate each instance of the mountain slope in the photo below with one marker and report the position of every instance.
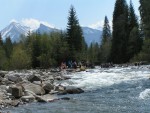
(91, 35)
(14, 31)
(45, 29)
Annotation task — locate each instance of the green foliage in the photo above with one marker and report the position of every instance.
(3, 59)
(93, 53)
(144, 55)
(135, 41)
(20, 59)
(8, 47)
(105, 46)
(75, 37)
(120, 32)
(145, 16)
(1, 41)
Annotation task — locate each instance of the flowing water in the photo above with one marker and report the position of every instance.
(114, 90)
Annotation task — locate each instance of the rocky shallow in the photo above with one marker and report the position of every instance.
(26, 86)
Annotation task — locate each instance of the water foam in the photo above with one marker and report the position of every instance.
(145, 94)
(97, 78)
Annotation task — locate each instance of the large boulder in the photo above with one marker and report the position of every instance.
(60, 88)
(2, 74)
(14, 78)
(1, 79)
(34, 78)
(73, 90)
(48, 87)
(36, 89)
(16, 91)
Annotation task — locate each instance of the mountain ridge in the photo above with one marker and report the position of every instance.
(14, 30)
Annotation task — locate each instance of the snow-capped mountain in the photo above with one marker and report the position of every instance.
(14, 30)
(45, 29)
(91, 35)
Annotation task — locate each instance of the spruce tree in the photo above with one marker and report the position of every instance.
(144, 8)
(36, 50)
(135, 41)
(8, 45)
(145, 16)
(75, 37)
(120, 32)
(106, 42)
(106, 35)
(1, 40)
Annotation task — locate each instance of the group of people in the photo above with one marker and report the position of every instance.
(70, 64)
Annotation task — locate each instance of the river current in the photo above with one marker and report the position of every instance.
(111, 90)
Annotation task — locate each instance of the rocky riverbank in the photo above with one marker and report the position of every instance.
(26, 86)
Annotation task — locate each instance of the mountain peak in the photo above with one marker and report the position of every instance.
(46, 29)
(14, 30)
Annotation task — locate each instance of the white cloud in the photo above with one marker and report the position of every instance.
(34, 23)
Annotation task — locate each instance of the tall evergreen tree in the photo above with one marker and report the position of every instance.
(106, 42)
(75, 37)
(8, 45)
(1, 40)
(36, 50)
(145, 16)
(135, 41)
(144, 8)
(106, 35)
(120, 32)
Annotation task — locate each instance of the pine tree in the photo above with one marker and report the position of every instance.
(106, 35)
(8, 45)
(75, 37)
(106, 42)
(36, 50)
(1, 40)
(120, 32)
(144, 8)
(135, 41)
(145, 16)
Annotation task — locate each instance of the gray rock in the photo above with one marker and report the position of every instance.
(34, 78)
(37, 82)
(2, 74)
(48, 87)
(58, 78)
(36, 89)
(29, 98)
(40, 99)
(1, 79)
(59, 88)
(16, 91)
(14, 78)
(73, 90)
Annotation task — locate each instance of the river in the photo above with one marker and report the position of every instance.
(114, 90)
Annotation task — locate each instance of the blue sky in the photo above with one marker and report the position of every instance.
(55, 12)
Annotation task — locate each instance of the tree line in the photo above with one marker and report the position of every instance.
(129, 41)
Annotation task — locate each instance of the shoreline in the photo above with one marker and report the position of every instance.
(40, 85)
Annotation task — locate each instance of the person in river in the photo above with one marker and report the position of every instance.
(74, 64)
(63, 66)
